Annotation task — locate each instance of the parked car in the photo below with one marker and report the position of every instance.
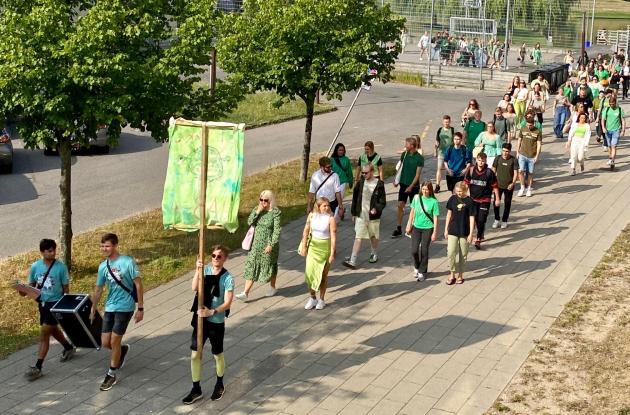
(6, 152)
(96, 145)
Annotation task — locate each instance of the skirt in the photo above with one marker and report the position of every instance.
(316, 260)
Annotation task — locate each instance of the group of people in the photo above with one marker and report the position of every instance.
(461, 51)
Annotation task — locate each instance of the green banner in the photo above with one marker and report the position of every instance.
(180, 203)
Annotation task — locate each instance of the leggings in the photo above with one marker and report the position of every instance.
(481, 216)
(519, 108)
(507, 200)
(420, 241)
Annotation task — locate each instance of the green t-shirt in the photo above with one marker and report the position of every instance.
(473, 128)
(445, 136)
(612, 117)
(343, 168)
(601, 75)
(411, 162)
(420, 220)
(505, 170)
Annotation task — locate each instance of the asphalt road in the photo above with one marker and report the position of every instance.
(130, 179)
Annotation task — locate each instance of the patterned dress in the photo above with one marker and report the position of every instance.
(260, 266)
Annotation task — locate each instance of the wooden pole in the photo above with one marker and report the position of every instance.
(213, 72)
(202, 229)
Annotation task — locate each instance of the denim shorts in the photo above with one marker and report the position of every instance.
(526, 163)
(116, 321)
(613, 138)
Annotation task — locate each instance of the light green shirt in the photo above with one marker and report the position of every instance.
(420, 220)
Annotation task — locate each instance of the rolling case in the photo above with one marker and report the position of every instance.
(73, 314)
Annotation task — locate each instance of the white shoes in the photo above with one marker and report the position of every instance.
(521, 192)
(242, 296)
(320, 305)
(310, 304)
(503, 225)
(495, 224)
(271, 292)
(415, 273)
(529, 192)
(420, 277)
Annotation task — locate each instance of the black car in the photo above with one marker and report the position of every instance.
(6, 152)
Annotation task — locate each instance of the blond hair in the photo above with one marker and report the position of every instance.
(268, 194)
(319, 202)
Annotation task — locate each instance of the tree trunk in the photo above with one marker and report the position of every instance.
(65, 230)
(306, 151)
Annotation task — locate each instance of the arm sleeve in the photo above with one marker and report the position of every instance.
(312, 187)
(100, 276)
(31, 275)
(229, 282)
(275, 236)
(135, 271)
(65, 276)
(253, 217)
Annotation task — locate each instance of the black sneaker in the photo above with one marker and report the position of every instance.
(192, 397)
(108, 382)
(437, 189)
(124, 349)
(397, 233)
(218, 392)
(67, 354)
(33, 373)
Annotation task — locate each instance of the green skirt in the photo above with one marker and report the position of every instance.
(316, 261)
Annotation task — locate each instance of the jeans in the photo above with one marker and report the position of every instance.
(457, 252)
(420, 241)
(507, 200)
(481, 216)
(559, 119)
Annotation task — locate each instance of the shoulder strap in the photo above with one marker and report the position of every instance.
(337, 161)
(322, 183)
(39, 287)
(425, 212)
(120, 284)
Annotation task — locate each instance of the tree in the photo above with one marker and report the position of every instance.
(71, 65)
(297, 47)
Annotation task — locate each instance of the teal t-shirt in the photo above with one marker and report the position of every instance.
(226, 283)
(126, 270)
(431, 206)
(57, 278)
(612, 117)
(411, 161)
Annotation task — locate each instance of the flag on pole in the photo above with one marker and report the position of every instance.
(180, 202)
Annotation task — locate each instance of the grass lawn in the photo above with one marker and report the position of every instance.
(162, 255)
(582, 365)
(408, 78)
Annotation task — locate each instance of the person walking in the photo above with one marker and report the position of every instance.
(411, 164)
(544, 85)
(506, 170)
(423, 228)
(318, 245)
(325, 183)
(520, 101)
(521, 54)
(51, 277)
(482, 183)
(343, 167)
(489, 142)
(443, 140)
(579, 136)
(502, 126)
(528, 150)
(368, 202)
(124, 287)
(458, 231)
(423, 44)
(625, 79)
(262, 259)
(457, 161)
(369, 157)
(537, 104)
(218, 293)
(473, 128)
(469, 112)
(614, 127)
(537, 55)
(561, 107)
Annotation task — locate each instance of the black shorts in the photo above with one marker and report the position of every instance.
(404, 196)
(45, 316)
(211, 331)
(116, 321)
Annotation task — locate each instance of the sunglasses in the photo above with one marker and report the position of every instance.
(217, 256)
(264, 200)
(328, 167)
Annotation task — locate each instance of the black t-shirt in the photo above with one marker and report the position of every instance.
(461, 211)
(588, 103)
(481, 183)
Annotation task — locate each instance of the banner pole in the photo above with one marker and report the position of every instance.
(202, 228)
(344, 121)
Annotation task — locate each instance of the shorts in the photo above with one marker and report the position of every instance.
(526, 164)
(45, 316)
(366, 229)
(211, 331)
(613, 138)
(116, 321)
(403, 196)
(440, 160)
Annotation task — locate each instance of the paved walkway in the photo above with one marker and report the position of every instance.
(385, 344)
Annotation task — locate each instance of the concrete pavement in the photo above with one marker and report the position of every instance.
(385, 344)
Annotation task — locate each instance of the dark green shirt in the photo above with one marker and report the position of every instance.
(473, 128)
(411, 162)
(505, 170)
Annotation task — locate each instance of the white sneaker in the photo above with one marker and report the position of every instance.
(241, 296)
(271, 292)
(320, 305)
(503, 225)
(310, 304)
(521, 191)
(529, 192)
(609, 162)
(420, 277)
(495, 224)
(415, 273)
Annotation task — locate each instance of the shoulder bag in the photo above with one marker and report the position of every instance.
(133, 292)
(310, 207)
(425, 212)
(308, 238)
(399, 168)
(40, 286)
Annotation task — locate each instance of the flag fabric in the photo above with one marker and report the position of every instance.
(180, 202)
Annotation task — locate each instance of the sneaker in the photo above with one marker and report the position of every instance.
(271, 292)
(478, 244)
(572, 172)
(108, 382)
(350, 264)
(310, 304)
(397, 233)
(581, 167)
(503, 225)
(320, 305)
(415, 273)
(242, 296)
(420, 277)
(33, 373)
(495, 224)
(521, 192)
(609, 162)
(67, 354)
(192, 397)
(373, 258)
(218, 392)
(529, 192)
(347, 258)
(124, 349)
(437, 189)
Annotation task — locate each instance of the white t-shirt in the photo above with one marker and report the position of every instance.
(320, 226)
(522, 94)
(424, 41)
(330, 187)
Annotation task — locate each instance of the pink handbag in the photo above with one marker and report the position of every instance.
(249, 239)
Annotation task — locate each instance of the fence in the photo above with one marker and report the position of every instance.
(617, 39)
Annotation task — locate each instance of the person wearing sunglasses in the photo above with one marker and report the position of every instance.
(262, 260)
(325, 183)
(217, 299)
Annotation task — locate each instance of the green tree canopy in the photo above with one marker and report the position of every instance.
(297, 47)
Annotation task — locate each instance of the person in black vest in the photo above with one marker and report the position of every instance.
(482, 183)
